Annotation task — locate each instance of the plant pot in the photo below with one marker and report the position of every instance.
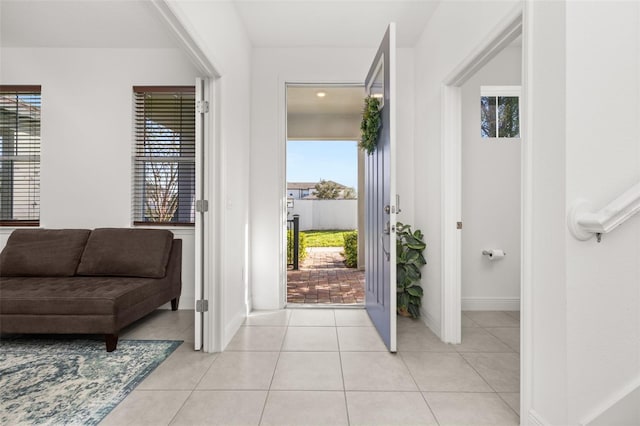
(404, 313)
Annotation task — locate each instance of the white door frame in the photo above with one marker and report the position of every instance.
(510, 27)
(212, 288)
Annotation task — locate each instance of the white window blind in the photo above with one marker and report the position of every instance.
(164, 155)
(20, 155)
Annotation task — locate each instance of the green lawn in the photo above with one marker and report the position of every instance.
(331, 238)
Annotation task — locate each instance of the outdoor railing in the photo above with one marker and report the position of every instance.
(293, 241)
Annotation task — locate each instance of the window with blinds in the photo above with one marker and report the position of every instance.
(164, 155)
(20, 155)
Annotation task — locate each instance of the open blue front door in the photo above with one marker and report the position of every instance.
(380, 197)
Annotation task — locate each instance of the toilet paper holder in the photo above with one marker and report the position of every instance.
(488, 253)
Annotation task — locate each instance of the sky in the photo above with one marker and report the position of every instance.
(311, 161)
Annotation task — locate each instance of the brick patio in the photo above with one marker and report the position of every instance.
(324, 278)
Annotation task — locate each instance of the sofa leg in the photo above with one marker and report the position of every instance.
(112, 341)
(174, 303)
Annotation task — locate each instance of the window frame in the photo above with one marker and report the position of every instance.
(138, 200)
(498, 92)
(31, 157)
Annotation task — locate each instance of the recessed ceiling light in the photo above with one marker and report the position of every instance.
(321, 94)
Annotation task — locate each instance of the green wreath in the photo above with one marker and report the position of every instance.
(371, 124)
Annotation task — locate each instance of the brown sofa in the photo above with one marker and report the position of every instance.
(72, 281)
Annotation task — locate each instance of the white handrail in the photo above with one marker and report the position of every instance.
(584, 223)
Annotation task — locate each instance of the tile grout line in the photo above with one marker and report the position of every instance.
(474, 369)
(418, 388)
(273, 375)
(344, 387)
(508, 405)
(191, 393)
(173, 419)
(505, 343)
(482, 377)
(207, 370)
(478, 373)
(492, 352)
(148, 322)
(518, 354)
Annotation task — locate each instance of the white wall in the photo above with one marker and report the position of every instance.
(220, 34)
(585, 297)
(326, 214)
(602, 161)
(87, 108)
(453, 31)
(546, 30)
(490, 196)
(271, 69)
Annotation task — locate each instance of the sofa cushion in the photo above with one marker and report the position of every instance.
(43, 252)
(74, 295)
(126, 252)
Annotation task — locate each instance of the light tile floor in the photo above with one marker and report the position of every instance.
(329, 367)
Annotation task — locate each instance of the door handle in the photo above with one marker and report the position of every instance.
(387, 255)
(388, 228)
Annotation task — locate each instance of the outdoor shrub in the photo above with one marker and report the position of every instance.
(351, 248)
(302, 254)
(303, 247)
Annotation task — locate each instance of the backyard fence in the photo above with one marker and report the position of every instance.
(326, 214)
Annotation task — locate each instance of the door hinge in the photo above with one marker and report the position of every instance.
(202, 107)
(202, 206)
(458, 225)
(202, 305)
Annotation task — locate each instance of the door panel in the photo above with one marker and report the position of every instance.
(380, 196)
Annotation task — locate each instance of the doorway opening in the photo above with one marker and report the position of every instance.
(324, 193)
(490, 197)
(484, 185)
(490, 237)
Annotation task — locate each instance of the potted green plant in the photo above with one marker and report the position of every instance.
(409, 260)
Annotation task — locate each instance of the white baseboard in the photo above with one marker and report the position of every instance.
(431, 322)
(490, 304)
(232, 327)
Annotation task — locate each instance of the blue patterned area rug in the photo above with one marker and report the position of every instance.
(71, 381)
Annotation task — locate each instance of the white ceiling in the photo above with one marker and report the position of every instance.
(333, 23)
(82, 23)
(336, 116)
(338, 100)
(285, 23)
